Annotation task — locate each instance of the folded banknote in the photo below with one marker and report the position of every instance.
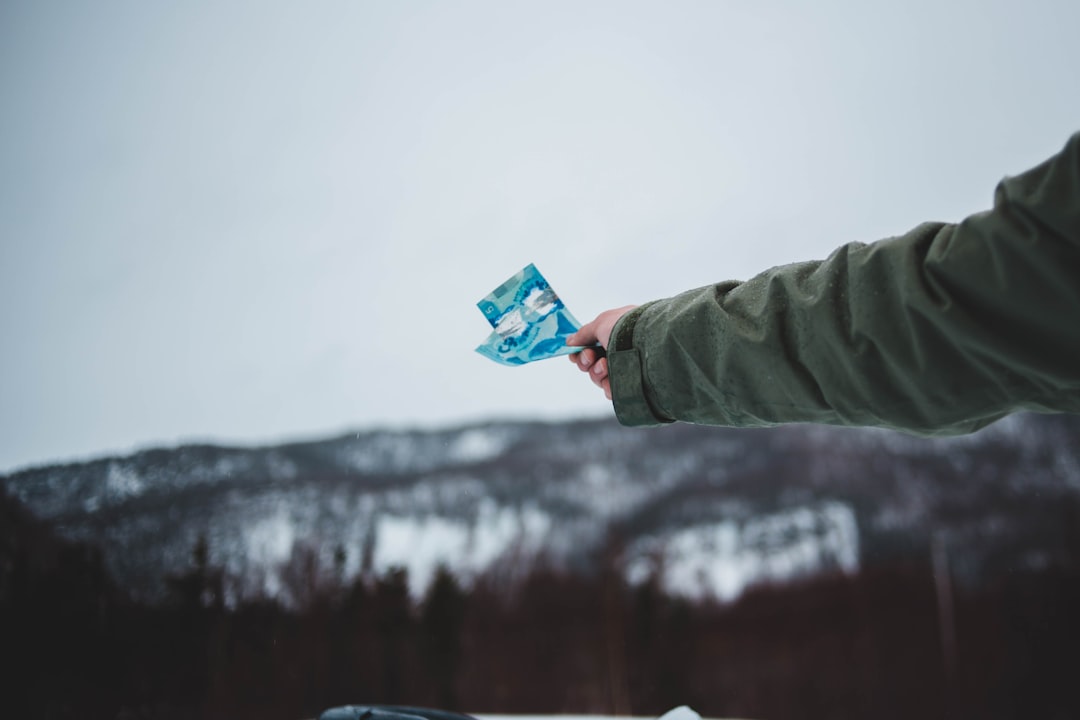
(530, 321)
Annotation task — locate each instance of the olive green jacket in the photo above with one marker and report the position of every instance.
(939, 331)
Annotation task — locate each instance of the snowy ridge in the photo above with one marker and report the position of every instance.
(707, 512)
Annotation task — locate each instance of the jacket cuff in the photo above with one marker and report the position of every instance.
(627, 376)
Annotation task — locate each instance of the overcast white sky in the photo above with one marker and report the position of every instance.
(249, 221)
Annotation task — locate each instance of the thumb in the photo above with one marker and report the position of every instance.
(585, 336)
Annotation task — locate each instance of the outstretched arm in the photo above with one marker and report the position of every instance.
(942, 330)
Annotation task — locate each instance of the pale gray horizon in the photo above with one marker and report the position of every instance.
(244, 222)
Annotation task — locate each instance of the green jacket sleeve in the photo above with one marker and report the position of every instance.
(939, 331)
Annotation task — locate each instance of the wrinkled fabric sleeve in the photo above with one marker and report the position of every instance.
(939, 331)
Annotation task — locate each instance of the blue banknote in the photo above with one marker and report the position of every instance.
(530, 321)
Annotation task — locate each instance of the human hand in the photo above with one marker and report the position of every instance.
(597, 331)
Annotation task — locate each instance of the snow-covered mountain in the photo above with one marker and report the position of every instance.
(709, 510)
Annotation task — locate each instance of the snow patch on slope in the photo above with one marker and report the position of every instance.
(270, 540)
(404, 452)
(477, 445)
(122, 482)
(723, 559)
(421, 544)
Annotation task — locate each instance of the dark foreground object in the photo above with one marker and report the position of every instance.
(389, 712)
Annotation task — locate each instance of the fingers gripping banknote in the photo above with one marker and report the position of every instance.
(530, 321)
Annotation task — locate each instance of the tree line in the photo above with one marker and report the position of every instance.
(547, 640)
